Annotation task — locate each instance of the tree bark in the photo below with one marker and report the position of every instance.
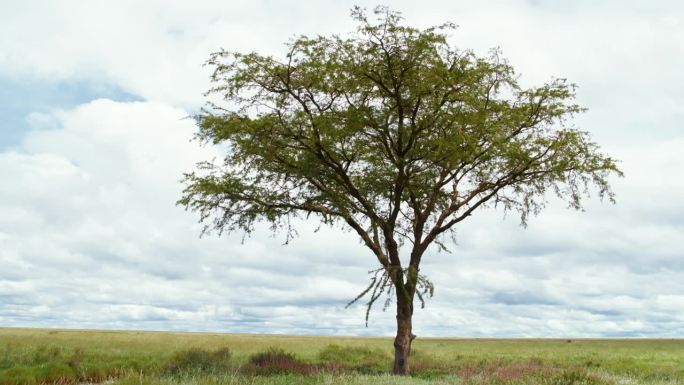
(402, 342)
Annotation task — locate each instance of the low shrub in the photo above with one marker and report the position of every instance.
(278, 361)
(196, 360)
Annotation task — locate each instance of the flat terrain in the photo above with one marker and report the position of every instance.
(46, 356)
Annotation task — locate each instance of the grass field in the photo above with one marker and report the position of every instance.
(44, 356)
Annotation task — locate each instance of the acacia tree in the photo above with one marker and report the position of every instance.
(390, 132)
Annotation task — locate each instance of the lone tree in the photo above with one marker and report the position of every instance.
(390, 132)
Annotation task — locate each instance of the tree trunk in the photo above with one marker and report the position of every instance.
(402, 343)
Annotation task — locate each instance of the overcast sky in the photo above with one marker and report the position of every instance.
(93, 142)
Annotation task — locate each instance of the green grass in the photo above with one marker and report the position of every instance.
(40, 356)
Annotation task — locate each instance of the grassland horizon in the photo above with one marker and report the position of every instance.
(388, 336)
(80, 356)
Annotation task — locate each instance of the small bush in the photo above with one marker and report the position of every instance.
(278, 361)
(199, 361)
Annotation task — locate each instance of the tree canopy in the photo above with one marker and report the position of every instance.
(391, 132)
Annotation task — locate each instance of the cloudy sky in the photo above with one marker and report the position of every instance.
(94, 138)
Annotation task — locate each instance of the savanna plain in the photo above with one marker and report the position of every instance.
(52, 356)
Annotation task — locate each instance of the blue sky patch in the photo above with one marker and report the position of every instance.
(19, 97)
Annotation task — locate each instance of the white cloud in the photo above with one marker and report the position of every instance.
(89, 222)
(91, 207)
(154, 49)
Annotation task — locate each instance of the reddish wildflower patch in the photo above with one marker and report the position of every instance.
(503, 371)
(524, 372)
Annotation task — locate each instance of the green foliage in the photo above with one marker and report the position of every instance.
(197, 360)
(390, 132)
